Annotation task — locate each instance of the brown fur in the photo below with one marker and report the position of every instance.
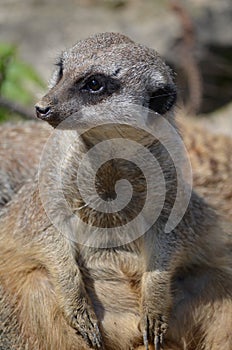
(209, 154)
(211, 160)
(20, 150)
(51, 288)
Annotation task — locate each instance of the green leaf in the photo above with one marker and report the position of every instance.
(21, 71)
(15, 92)
(18, 79)
(7, 50)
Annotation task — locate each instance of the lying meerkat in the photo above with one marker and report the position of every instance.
(170, 290)
(211, 161)
(21, 145)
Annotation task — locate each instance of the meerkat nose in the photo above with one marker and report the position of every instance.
(42, 111)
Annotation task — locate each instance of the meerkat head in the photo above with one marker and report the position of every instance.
(104, 70)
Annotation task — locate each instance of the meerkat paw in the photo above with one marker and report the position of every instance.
(85, 322)
(154, 328)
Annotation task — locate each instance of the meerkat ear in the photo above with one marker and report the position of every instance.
(162, 99)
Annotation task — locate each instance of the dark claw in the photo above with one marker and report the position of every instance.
(153, 331)
(161, 340)
(89, 331)
(86, 338)
(95, 342)
(146, 334)
(97, 337)
(145, 340)
(157, 342)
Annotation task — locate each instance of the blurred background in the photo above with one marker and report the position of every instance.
(193, 36)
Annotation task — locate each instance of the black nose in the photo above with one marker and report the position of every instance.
(42, 112)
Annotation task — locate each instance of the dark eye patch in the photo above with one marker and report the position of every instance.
(99, 85)
(94, 85)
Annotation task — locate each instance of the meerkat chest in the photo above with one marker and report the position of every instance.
(109, 198)
(112, 278)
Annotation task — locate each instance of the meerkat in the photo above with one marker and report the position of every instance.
(167, 290)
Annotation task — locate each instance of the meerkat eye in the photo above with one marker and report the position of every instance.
(94, 85)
